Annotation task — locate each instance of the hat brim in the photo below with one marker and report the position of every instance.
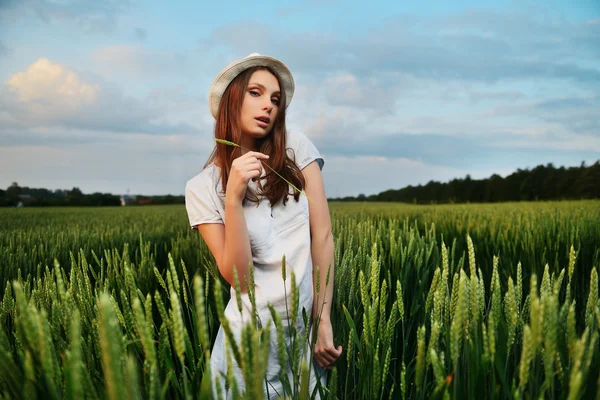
(229, 73)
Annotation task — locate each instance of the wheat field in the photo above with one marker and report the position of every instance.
(455, 301)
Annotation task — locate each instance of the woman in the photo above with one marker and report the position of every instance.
(259, 217)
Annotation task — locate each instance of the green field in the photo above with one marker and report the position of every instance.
(456, 301)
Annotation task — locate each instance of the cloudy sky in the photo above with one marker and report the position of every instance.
(111, 96)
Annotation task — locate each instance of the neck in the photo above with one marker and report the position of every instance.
(248, 143)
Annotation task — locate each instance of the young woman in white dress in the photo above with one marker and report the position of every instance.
(259, 217)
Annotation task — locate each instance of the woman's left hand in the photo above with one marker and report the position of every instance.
(325, 352)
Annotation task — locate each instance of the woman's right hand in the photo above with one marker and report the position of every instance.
(247, 166)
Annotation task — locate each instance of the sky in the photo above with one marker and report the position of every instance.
(112, 96)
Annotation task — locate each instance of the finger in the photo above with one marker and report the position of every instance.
(256, 165)
(322, 359)
(331, 364)
(254, 174)
(331, 356)
(249, 160)
(253, 163)
(257, 155)
(326, 357)
(335, 352)
(258, 170)
(322, 363)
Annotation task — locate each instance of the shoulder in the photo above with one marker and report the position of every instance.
(296, 139)
(202, 199)
(302, 150)
(206, 179)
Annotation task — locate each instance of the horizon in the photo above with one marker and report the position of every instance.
(330, 197)
(392, 95)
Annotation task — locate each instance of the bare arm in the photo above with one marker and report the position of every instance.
(321, 240)
(322, 252)
(322, 255)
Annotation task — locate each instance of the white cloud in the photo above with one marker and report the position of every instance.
(49, 94)
(50, 91)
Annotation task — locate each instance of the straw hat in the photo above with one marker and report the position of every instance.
(229, 73)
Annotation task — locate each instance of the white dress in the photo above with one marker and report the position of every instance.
(273, 232)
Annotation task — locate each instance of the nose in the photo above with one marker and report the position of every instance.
(268, 106)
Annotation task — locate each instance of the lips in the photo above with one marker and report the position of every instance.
(266, 120)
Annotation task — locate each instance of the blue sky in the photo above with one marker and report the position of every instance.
(111, 96)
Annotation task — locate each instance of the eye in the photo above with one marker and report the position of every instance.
(254, 93)
(275, 100)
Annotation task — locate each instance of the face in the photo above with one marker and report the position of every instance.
(260, 106)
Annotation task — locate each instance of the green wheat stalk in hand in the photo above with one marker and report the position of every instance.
(227, 142)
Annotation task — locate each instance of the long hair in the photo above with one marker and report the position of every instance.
(228, 127)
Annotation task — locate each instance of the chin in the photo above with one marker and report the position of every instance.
(257, 132)
(261, 133)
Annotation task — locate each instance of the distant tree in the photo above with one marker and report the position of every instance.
(75, 196)
(14, 190)
(588, 182)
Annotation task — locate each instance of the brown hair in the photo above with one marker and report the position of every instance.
(228, 127)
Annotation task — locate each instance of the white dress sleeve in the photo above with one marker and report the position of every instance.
(200, 202)
(303, 150)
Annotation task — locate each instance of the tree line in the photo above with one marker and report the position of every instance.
(16, 195)
(544, 182)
